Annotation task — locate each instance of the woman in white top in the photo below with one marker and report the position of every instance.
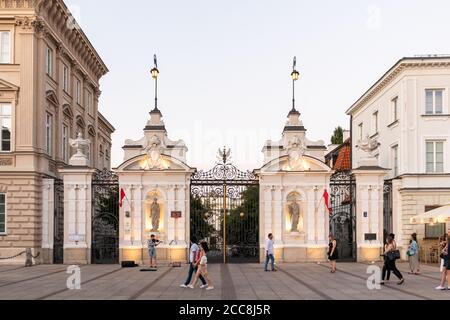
(202, 268)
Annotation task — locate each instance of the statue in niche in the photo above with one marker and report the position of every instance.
(155, 213)
(294, 213)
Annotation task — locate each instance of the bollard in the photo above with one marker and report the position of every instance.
(29, 258)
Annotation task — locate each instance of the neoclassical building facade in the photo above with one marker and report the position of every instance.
(407, 111)
(49, 92)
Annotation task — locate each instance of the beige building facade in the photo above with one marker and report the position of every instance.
(49, 92)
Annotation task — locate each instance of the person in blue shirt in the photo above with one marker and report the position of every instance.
(413, 255)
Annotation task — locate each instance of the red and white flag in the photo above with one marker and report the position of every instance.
(326, 198)
(122, 196)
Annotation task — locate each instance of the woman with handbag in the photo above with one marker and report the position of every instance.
(444, 256)
(391, 255)
(413, 255)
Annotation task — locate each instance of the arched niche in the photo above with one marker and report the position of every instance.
(150, 207)
(294, 213)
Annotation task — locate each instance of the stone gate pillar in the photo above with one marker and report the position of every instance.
(48, 212)
(369, 212)
(77, 179)
(77, 214)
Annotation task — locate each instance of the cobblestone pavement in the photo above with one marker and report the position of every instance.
(233, 281)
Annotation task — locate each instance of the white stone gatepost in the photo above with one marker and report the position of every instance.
(77, 214)
(369, 178)
(48, 212)
(77, 179)
(369, 212)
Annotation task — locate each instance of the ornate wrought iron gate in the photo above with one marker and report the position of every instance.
(343, 215)
(105, 218)
(387, 209)
(58, 222)
(225, 212)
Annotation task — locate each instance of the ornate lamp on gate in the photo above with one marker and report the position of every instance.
(295, 76)
(155, 74)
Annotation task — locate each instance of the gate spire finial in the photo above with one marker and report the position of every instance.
(224, 155)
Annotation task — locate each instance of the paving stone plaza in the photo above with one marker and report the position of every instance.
(232, 282)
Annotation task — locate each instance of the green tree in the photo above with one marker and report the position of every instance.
(338, 136)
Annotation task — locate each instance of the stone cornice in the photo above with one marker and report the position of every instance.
(60, 22)
(388, 77)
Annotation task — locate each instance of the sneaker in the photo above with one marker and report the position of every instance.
(440, 288)
(183, 286)
(210, 288)
(190, 286)
(203, 286)
(382, 283)
(401, 282)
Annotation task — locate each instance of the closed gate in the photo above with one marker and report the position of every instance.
(224, 212)
(105, 218)
(343, 215)
(58, 222)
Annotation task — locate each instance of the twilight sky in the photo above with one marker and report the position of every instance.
(225, 65)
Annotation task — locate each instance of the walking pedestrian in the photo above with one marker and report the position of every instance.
(391, 253)
(333, 254)
(443, 246)
(386, 273)
(194, 260)
(269, 253)
(413, 255)
(203, 268)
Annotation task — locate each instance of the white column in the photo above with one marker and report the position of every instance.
(48, 211)
(277, 222)
(267, 207)
(310, 216)
(181, 206)
(138, 216)
(170, 208)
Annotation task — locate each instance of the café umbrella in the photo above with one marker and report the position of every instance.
(438, 215)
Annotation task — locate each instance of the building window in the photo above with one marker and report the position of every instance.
(5, 122)
(395, 160)
(360, 131)
(2, 213)
(49, 61)
(78, 92)
(435, 156)
(65, 143)
(65, 78)
(5, 47)
(48, 133)
(434, 100)
(375, 122)
(394, 109)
